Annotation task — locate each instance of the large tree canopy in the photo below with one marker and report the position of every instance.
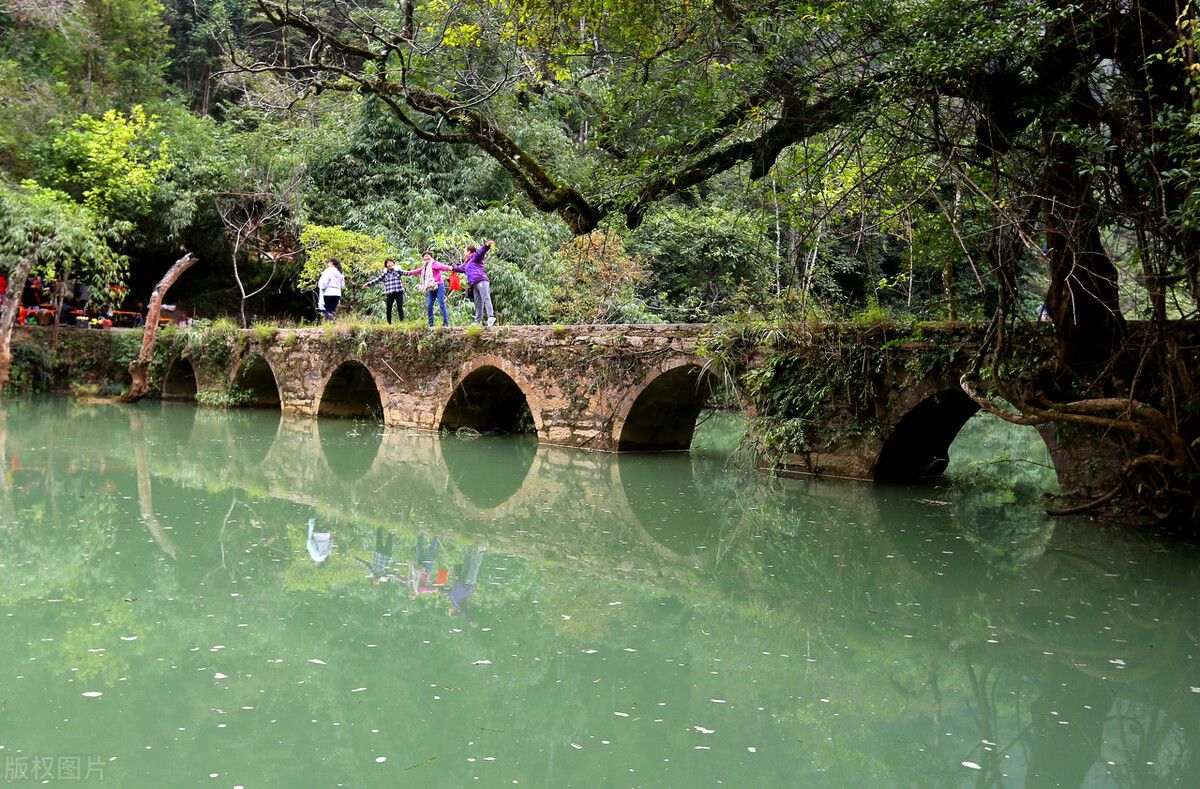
(1061, 129)
(1063, 119)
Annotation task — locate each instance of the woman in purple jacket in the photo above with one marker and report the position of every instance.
(477, 280)
(430, 272)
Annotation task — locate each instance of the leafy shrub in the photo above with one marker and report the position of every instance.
(698, 258)
(265, 332)
(230, 397)
(598, 282)
(32, 367)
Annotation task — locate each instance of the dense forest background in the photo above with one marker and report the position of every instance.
(773, 165)
(193, 125)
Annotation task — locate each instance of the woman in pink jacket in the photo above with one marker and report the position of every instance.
(430, 272)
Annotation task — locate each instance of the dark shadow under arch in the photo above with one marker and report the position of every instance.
(663, 417)
(490, 401)
(351, 393)
(919, 446)
(507, 463)
(180, 381)
(256, 377)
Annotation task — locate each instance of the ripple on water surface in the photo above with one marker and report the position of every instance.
(490, 609)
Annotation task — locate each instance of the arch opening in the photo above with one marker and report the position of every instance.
(663, 416)
(919, 447)
(351, 393)
(180, 381)
(490, 401)
(256, 378)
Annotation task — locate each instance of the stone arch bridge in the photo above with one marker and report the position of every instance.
(609, 388)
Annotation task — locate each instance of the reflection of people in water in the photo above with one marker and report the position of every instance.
(464, 582)
(420, 572)
(320, 543)
(427, 551)
(383, 555)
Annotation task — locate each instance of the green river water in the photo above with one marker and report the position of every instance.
(636, 620)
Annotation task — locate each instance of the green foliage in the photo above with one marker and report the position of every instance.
(598, 282)
(32, 368)
(698, 258)
(361, 256)
(228, 397)
(265, 333)
(112, 164)
(57, 235)
(209, 344)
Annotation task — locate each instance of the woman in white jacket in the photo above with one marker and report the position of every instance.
(329, 288)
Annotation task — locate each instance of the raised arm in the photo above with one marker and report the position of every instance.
(479, 254)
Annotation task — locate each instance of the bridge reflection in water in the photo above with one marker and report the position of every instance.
(1052, 654)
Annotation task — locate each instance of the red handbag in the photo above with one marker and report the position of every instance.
(455, 282)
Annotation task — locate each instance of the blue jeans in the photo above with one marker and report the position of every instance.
(427, 551)
(440, 295)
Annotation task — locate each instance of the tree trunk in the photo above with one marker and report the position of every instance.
(139, 368)
(141, 455)
(1083, 298)
(56, 303)
(8, 313)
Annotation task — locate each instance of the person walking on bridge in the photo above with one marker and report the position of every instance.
(430, 272)
(477, 280)
(393, 287)
(329, 288)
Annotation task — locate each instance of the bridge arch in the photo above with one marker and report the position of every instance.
(257, 376)
(351, 391)
(660, 413)
(180, 381)
(491, 393)
(917, 447)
